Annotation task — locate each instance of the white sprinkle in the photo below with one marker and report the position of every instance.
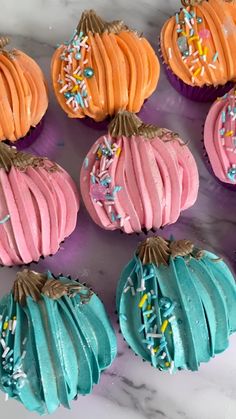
(126, 289)
(154, 335)
(172, 318)
(163, 356)
(3, 343)
(10, 325)
(195, 61)
(212, 66)
(63, 88)
(188, 23)
(5, 352)
(24, 341)
(99, 203)
(141, 289)
(202, 71)
(193, 80)
(85, 61)
(229, 149)
(170, 53)
(172, 365)
(191, 68)
(14, 326)
(6, 397)
(195, 53)
(127, 218)
(133, 291)
(129, 280)
(190, 50)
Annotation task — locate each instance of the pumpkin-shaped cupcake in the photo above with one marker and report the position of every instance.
(56, 340)
(220, 139)
(38, 207)
(138, 177)
(105, 67)
(198, 48)
(176, 304)
(23, 95)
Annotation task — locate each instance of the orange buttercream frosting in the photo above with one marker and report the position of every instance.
(23, 94)
(104, 68)
(199, 43)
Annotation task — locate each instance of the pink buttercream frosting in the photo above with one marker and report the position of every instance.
(148, 182)
(220, 138)
(40, 208)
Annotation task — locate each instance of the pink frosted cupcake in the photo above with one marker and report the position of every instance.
(138, 177)
(220, 138)
(38, 207)
(198, 48)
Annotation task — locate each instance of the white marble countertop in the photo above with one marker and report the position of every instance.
(130, 388)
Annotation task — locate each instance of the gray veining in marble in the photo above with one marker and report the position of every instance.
(130, 388)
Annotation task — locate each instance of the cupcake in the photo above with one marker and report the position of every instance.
(197, 45)
(103, 68)
(220, 138)
(176, 304)
(23, 96)
(56, 340)
(38, 207)
(138, 177)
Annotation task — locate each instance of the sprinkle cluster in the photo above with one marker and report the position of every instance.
(13, 377)
(101, 191)
(227, 131)
(73, 83)
(156, 314)
(192, 43)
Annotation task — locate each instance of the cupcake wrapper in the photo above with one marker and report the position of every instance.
(206, 159)
(197, 94)
(29, 139)
(28, 265)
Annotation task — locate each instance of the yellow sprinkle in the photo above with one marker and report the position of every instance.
(156, 349)
(99, 154)
(199, 45)
(142, 301)
(118, 151)
(229, 133)
(197, 72)
(14, 317)
(76, 76)
(167, 364)
(193, 38)
(170, 332)
(205, 51)
(164, 326)
(149, 308)
(183, 33)
(5, 326)
(75, 88)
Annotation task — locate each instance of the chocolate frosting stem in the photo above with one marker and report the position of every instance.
(91, 22)
(186, 3)
(4, 40)
(128, 124)
(158, 251)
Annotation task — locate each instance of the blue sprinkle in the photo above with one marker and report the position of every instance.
(223, 117)
(93, 179)
(169, 310)
(141, 328)
(86, 162)
(5, 219)
(123, 316)
(146, 313)
(215, 57)
(113, 218)
(151, 319)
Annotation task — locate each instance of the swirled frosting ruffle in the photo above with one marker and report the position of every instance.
(178, 315)
(220, 137)
(134, 183)
(38, 210)
(198, 44)
(54, 349)
(23, 95)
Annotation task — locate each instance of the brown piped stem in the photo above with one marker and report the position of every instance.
(158, 251)
(187, 3)
(9, 156)
(33, 284)
(91, 22)
(4, 40)
(128, 124)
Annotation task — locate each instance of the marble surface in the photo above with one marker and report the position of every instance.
(130, 388)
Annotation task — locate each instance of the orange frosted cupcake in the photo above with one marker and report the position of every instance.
(23, 96)
(198, 46)
(104, 68)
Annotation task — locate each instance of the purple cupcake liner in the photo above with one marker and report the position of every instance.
(29, 139)
(195, 93)
(98, 126)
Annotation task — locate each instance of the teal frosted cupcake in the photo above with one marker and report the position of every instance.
(176, 304)
(55, 341)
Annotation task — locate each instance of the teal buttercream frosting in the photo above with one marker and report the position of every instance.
(56, 340)
(176, 304)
